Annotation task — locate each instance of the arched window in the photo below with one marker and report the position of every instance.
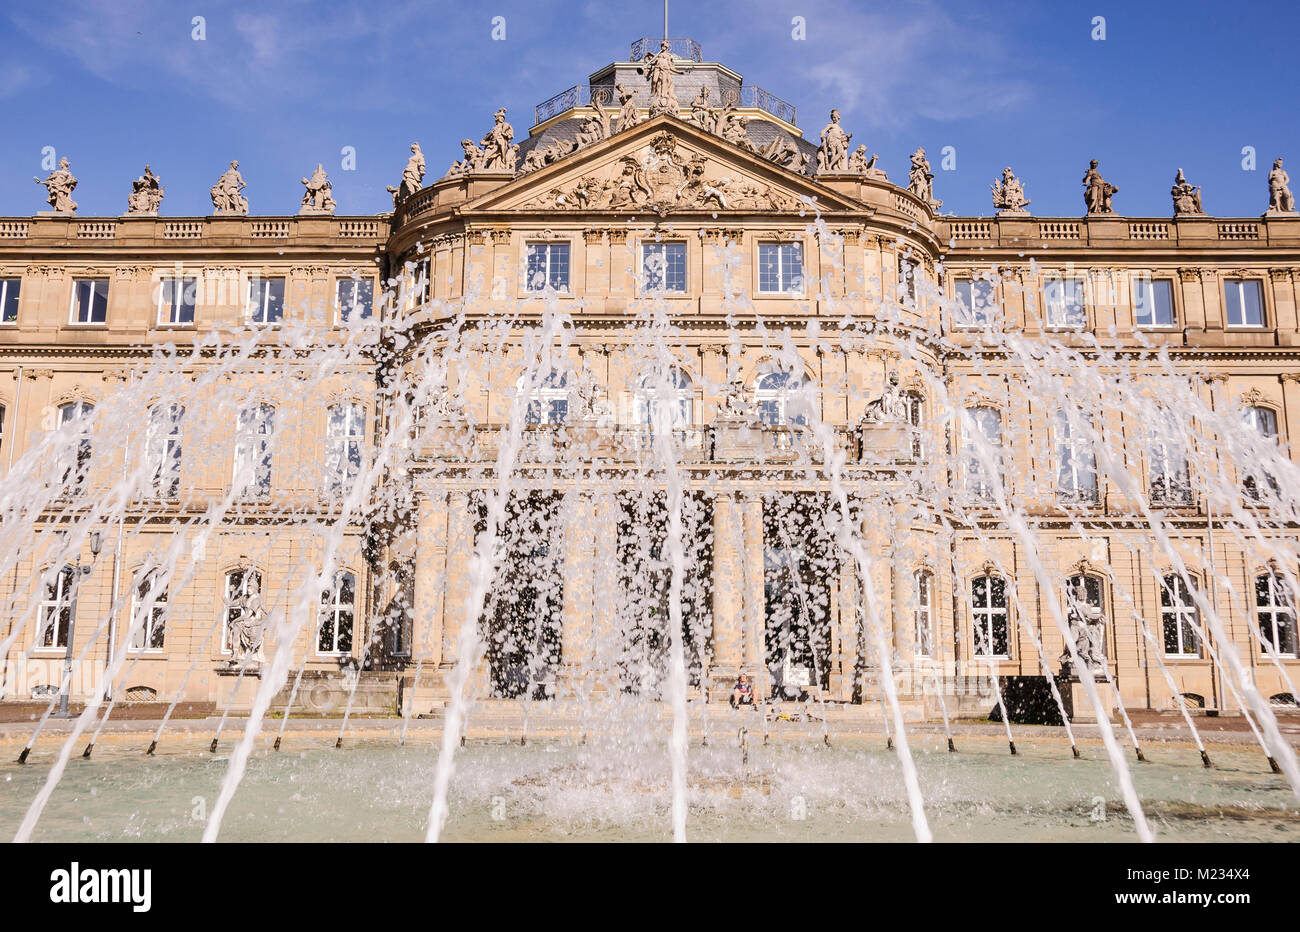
(163, 448)
(983, 426)
(240, 585)
(988, 599)
(344, 436)
(75, 417)
(1179, 618)
(1264, 422)
(149, 614)
(253, 451)
(1275, 608)
(924, 581)
(915, 406)
(775, 395)
(1076, 464)
(548, 403)
(337, 609)
(56, 609)
(654, 402)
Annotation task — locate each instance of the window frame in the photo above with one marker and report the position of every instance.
(923, 616)
(85, 445)
(784, 290)
(983, 491)
(156, 623)
(1062, 280)
(546, 398)
(357, 282)
(683, 402)
(976, 318)
(63, 583)
(334, 609)
(341, 468)
(5, 282)
(1174, 588)
(989, 612)
(263, 446)
(189, 285)
(1260, 292)
(265, 302)
(1064, 442)
(778, 396)
(549, 247)
(648, 245)
(1150, 280)
(73, 304)
(164, 449)
(1281, 602)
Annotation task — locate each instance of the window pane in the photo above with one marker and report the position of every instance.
(663, 266)
(9, 291)
(974, 296)
(1153, 302)
(355, 298)
(91, 300)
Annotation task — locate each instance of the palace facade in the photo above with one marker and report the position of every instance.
(662, 207)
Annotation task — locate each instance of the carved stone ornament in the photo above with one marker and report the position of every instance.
(662, 178)
(146, 195)
(1281, 202)
(1097, 191)
(1009, 194)
(412, 176)
(318, 198)
(1187, 198)
(833, 153)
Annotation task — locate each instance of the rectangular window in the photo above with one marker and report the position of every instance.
(975, 298)
(780, 268)
(9, 291)
(148, 621)
(548, 266)
(253, 451)
(89, 300)
(163, 448)
(1063, 303)
(1243, 302)
(1178, 617)
(663, 267)
(907, 282)
(266, 300)
(354, 298)
(336, 613)
(345, 434)
(1076, 463)
(1153, 302)
(56, 610)
(177, 297)
(924, 613)
(981, 440)
(989, 608)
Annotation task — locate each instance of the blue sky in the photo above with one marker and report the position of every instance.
(283, 85)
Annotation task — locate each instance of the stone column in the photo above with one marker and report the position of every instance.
(460, 550)
(728, 590)
(754, 601)
(577, 622)
(1291, 413)
(1212, 295)
(1284, 305)
(1193, 301)
(430, 579)
(596, 260)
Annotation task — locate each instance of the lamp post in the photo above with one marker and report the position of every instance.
(78, 571)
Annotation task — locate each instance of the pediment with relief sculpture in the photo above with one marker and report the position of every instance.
(663, 166)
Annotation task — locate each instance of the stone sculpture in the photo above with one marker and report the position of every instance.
(146, 195)
(1009, 194)
(833, 153)
(859, 163)
(1097, 192)
(412, 176)
(702, 114)
(661, 68)
(59, 185)
(227, 196)
(1280, 198)
(1087, 626)
(921, 178)
(628, 113)
(499, 153)
(247, 620)
(890, 407)
(318, 198)
(1187, 199)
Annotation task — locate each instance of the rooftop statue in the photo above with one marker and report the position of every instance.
(628, 114)
(860, 164)
(412, 176)
(1280, 198)
(595, 127)
(833, 153)
(661, 68)
(1097, 191)
(146, 194)
(783, 151)
(499, 153)
(1009, 194)
(319, 196)
(227, 196)
(1187, 199)
(731, 127)
(473, 160)
(59, 185)
(702, 114)
(921, 178)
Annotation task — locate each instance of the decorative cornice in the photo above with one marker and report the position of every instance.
(34, 374)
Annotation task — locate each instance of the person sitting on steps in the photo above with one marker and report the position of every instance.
(742, 693)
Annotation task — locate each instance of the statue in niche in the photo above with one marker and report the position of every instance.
(628, 113)
(833, 153)
(1087, 626)
(227, 193)
(412, 176)
(499, 153)
(1009, 194)
(1097, 191)
(1280, 198)
(59, 185)
(702, 114)
(891, 406)
(318, 198)
(1187, 199)
(246, 620)
(146, 194)
(921, 178)
(661, 68)
(859, 163)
